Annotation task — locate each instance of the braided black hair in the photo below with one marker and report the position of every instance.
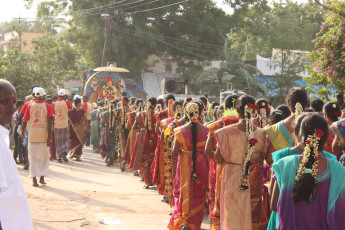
(195, 134)
(304, 187)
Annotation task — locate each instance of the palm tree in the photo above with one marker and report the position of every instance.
(232, 70)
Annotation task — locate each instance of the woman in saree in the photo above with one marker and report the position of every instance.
(95, 128)
(309, 193)
(145, 143)
(230, 117)
(281, 135)
(332, 113)
(162, 154)
(163, 117)
(190, 183)
(170, 158)
(241, 147)
(78, 124)
(137, 107)
(122, 131)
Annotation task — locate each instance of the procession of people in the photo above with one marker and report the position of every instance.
(242, 162)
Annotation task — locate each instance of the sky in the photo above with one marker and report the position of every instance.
(10, 9)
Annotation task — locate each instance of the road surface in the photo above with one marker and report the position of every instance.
(80, 194)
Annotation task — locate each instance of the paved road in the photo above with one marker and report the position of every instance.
(79, 194)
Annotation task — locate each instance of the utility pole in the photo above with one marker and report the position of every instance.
(245, 59)
(19, 32)
(106, 18)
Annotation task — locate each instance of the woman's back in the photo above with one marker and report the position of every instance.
(326, 208)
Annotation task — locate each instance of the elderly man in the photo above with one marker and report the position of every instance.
(61, 130)
(14, 208)
(38, 118)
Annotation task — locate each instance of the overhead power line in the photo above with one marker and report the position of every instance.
(171, 45)
(141, 4)
(140, 11)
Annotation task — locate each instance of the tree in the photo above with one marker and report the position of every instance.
(290, 66)
(15, 67)
(187, 30)
(328, 58)
(54, 61)
(285, 25)
(232, 70)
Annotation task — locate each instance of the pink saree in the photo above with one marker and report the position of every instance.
(189, 195)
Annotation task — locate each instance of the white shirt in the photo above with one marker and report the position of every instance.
(14, 207)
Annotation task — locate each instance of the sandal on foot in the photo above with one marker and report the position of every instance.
(78, 159)
(60, 160)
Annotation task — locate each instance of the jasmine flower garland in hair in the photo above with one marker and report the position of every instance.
(248, 116)
(298, 109)
(312, 140)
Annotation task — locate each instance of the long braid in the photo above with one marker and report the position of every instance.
(194, 140)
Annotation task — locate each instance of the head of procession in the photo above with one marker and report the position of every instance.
(109, 81)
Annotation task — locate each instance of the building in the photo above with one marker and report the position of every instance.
(25, 38)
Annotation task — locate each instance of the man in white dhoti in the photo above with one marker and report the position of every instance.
(61, 130)
(14, 207)
(38, 118)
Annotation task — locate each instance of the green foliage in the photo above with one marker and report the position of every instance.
(328, 58)
(232, 70)
(54, 62)
(290, 66)
(287, 25)
(15, 67)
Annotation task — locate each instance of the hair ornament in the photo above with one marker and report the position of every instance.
(148, 121)
(252, 106)
(337, 114)
(124, 102)
(306, 170)
(298, 109)
(334, 105)
(192, 110)
(262, 117)
(248, 110)
(312, 141)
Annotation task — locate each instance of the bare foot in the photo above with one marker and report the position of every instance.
(42, 180)
(34, 182)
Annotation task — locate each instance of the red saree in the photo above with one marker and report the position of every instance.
(189, 195)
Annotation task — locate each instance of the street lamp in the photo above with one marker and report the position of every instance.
(105, 17)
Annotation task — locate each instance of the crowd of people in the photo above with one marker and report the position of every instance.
(248, 165)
